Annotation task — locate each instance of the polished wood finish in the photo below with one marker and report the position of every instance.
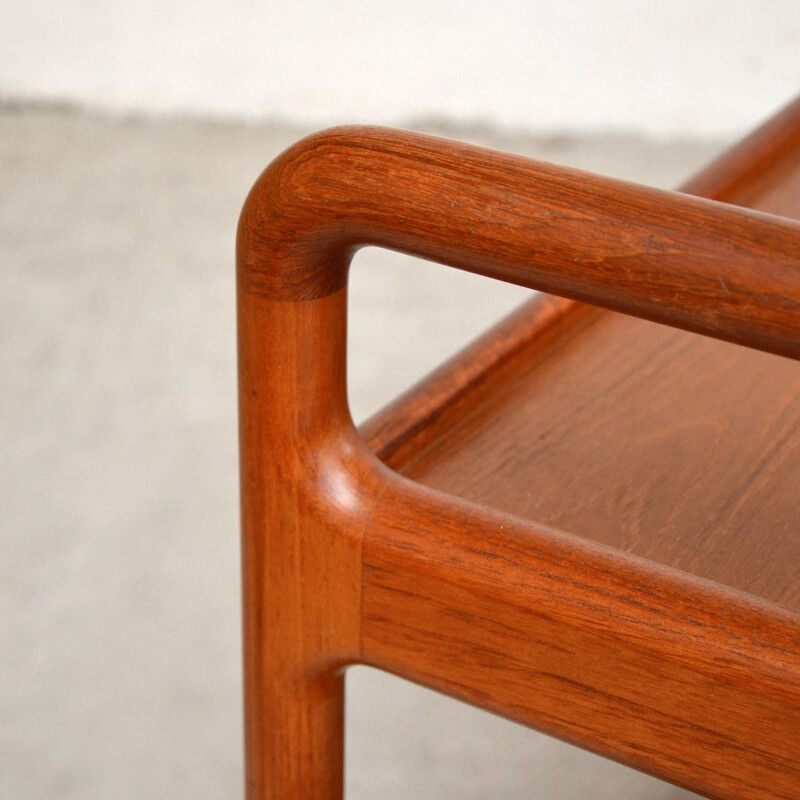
(673, 479)
(398, 432)
(301, 568)
(685, 261)
(762, 171)
(640, 437)
(347, 560)
(683, 679)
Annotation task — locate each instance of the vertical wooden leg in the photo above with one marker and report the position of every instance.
(301, 533)
(294, 734)
(294, 689)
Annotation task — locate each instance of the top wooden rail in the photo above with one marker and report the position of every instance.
(756, 172)
(692, 263)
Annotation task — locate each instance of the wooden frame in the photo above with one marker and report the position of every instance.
(347, 561)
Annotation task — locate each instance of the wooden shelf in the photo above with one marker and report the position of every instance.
(669, 445)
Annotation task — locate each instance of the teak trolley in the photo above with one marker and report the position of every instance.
(589, 520)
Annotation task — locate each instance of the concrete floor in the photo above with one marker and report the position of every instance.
(119, 596)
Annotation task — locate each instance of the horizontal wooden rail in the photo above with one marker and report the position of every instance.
(688, 262)
(673, 675)
(771, 150)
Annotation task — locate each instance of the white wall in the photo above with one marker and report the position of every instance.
(693, 67)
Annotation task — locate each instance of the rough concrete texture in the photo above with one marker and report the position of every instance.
(119, 629)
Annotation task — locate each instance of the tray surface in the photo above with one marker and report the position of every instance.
(679, 448)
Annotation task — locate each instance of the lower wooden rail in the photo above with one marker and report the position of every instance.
(682, 679)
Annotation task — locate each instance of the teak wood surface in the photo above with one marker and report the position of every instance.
(607, 546)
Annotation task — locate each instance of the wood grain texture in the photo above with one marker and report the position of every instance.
(292, 695)
(345, 560)
(684, 261)
(304, 508)
(680, 678)
(680, 449)
(762, 171)
(676, 447)
(400, 430)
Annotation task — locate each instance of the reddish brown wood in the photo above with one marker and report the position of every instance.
(675, 478)
(399, 431)
(677, 448)
(762, 171)
(346, 561)
(684, 261)
(301, 565)
(686, 680)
